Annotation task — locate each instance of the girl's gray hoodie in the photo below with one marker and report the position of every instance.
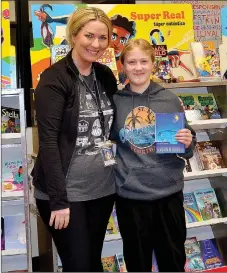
(141, 173)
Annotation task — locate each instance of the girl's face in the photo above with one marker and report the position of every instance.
(91, 41)
(138, 66)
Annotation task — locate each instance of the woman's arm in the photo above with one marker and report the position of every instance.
(50, 98)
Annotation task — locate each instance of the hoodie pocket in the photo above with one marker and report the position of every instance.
(153, 178)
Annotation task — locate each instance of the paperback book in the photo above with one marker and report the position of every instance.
(15, 236)
(194, 261)
(210, 254)
(12, 174)
(192, 212)
(120, 263)
(108, 264)
(10, 120)
(208, 204)
(167, 126)
(208, 156)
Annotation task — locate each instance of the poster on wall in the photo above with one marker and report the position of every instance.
(167, 25)
(8, 76)
(207, 21)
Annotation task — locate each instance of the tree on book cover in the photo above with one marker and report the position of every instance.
(194, 260)
(210, 254)
(161, 70)
(108, 264)
(10, 120)
(166, 127)
(191, 209)
(208, 106)
(208, 204)
(209, 156)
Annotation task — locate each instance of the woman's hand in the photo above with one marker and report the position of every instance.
(184, 136)
(60, 218)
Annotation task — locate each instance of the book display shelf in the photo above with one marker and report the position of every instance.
(15, 224)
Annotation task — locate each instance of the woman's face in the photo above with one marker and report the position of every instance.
(91, 41)
(138, 66)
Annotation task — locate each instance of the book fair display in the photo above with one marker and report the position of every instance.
(192, 68)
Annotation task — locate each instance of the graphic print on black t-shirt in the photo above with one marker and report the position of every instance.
(89, 128)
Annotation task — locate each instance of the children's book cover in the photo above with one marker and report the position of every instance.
(108, 58)
(208, 204)
(10, 120)
(161, 72)
(12, 170)
(194, 260)
(210, 254)
(108, 264)
(8, 59)
(209, 156)
(208, 106)
(15, 235)
(58, 52)
(111, 228)
(170, 25)
(191, 209)
(114, 215)
(120, 263)
(166, 127)
(206, 61)
(2, 234)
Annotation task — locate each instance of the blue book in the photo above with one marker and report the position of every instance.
(192, 212)
(167, 126)
(210, 254)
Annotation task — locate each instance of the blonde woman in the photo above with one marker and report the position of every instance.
(73, 188)
(149, 186)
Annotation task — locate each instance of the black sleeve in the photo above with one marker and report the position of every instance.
(50, 98)
(190, 150)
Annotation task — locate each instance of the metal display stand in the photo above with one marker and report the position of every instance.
(15, 202)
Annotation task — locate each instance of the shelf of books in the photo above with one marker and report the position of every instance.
(15, 227)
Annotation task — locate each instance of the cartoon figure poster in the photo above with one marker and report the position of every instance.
(8, 75)
(161, 24)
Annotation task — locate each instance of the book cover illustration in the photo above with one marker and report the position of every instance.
(154, 263)
(208, 204)
(120, 263)
(166, 127)
(209, 156)
(2, 234)
(58, 52)
(194, 260)
(10, 120)
(208, 106)
(108, 264)
(161, 70)
(210, 254)
(111, 228)
(15, 236)
(108, 58)
(191, 209)
(206, 61)
(114, 215)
